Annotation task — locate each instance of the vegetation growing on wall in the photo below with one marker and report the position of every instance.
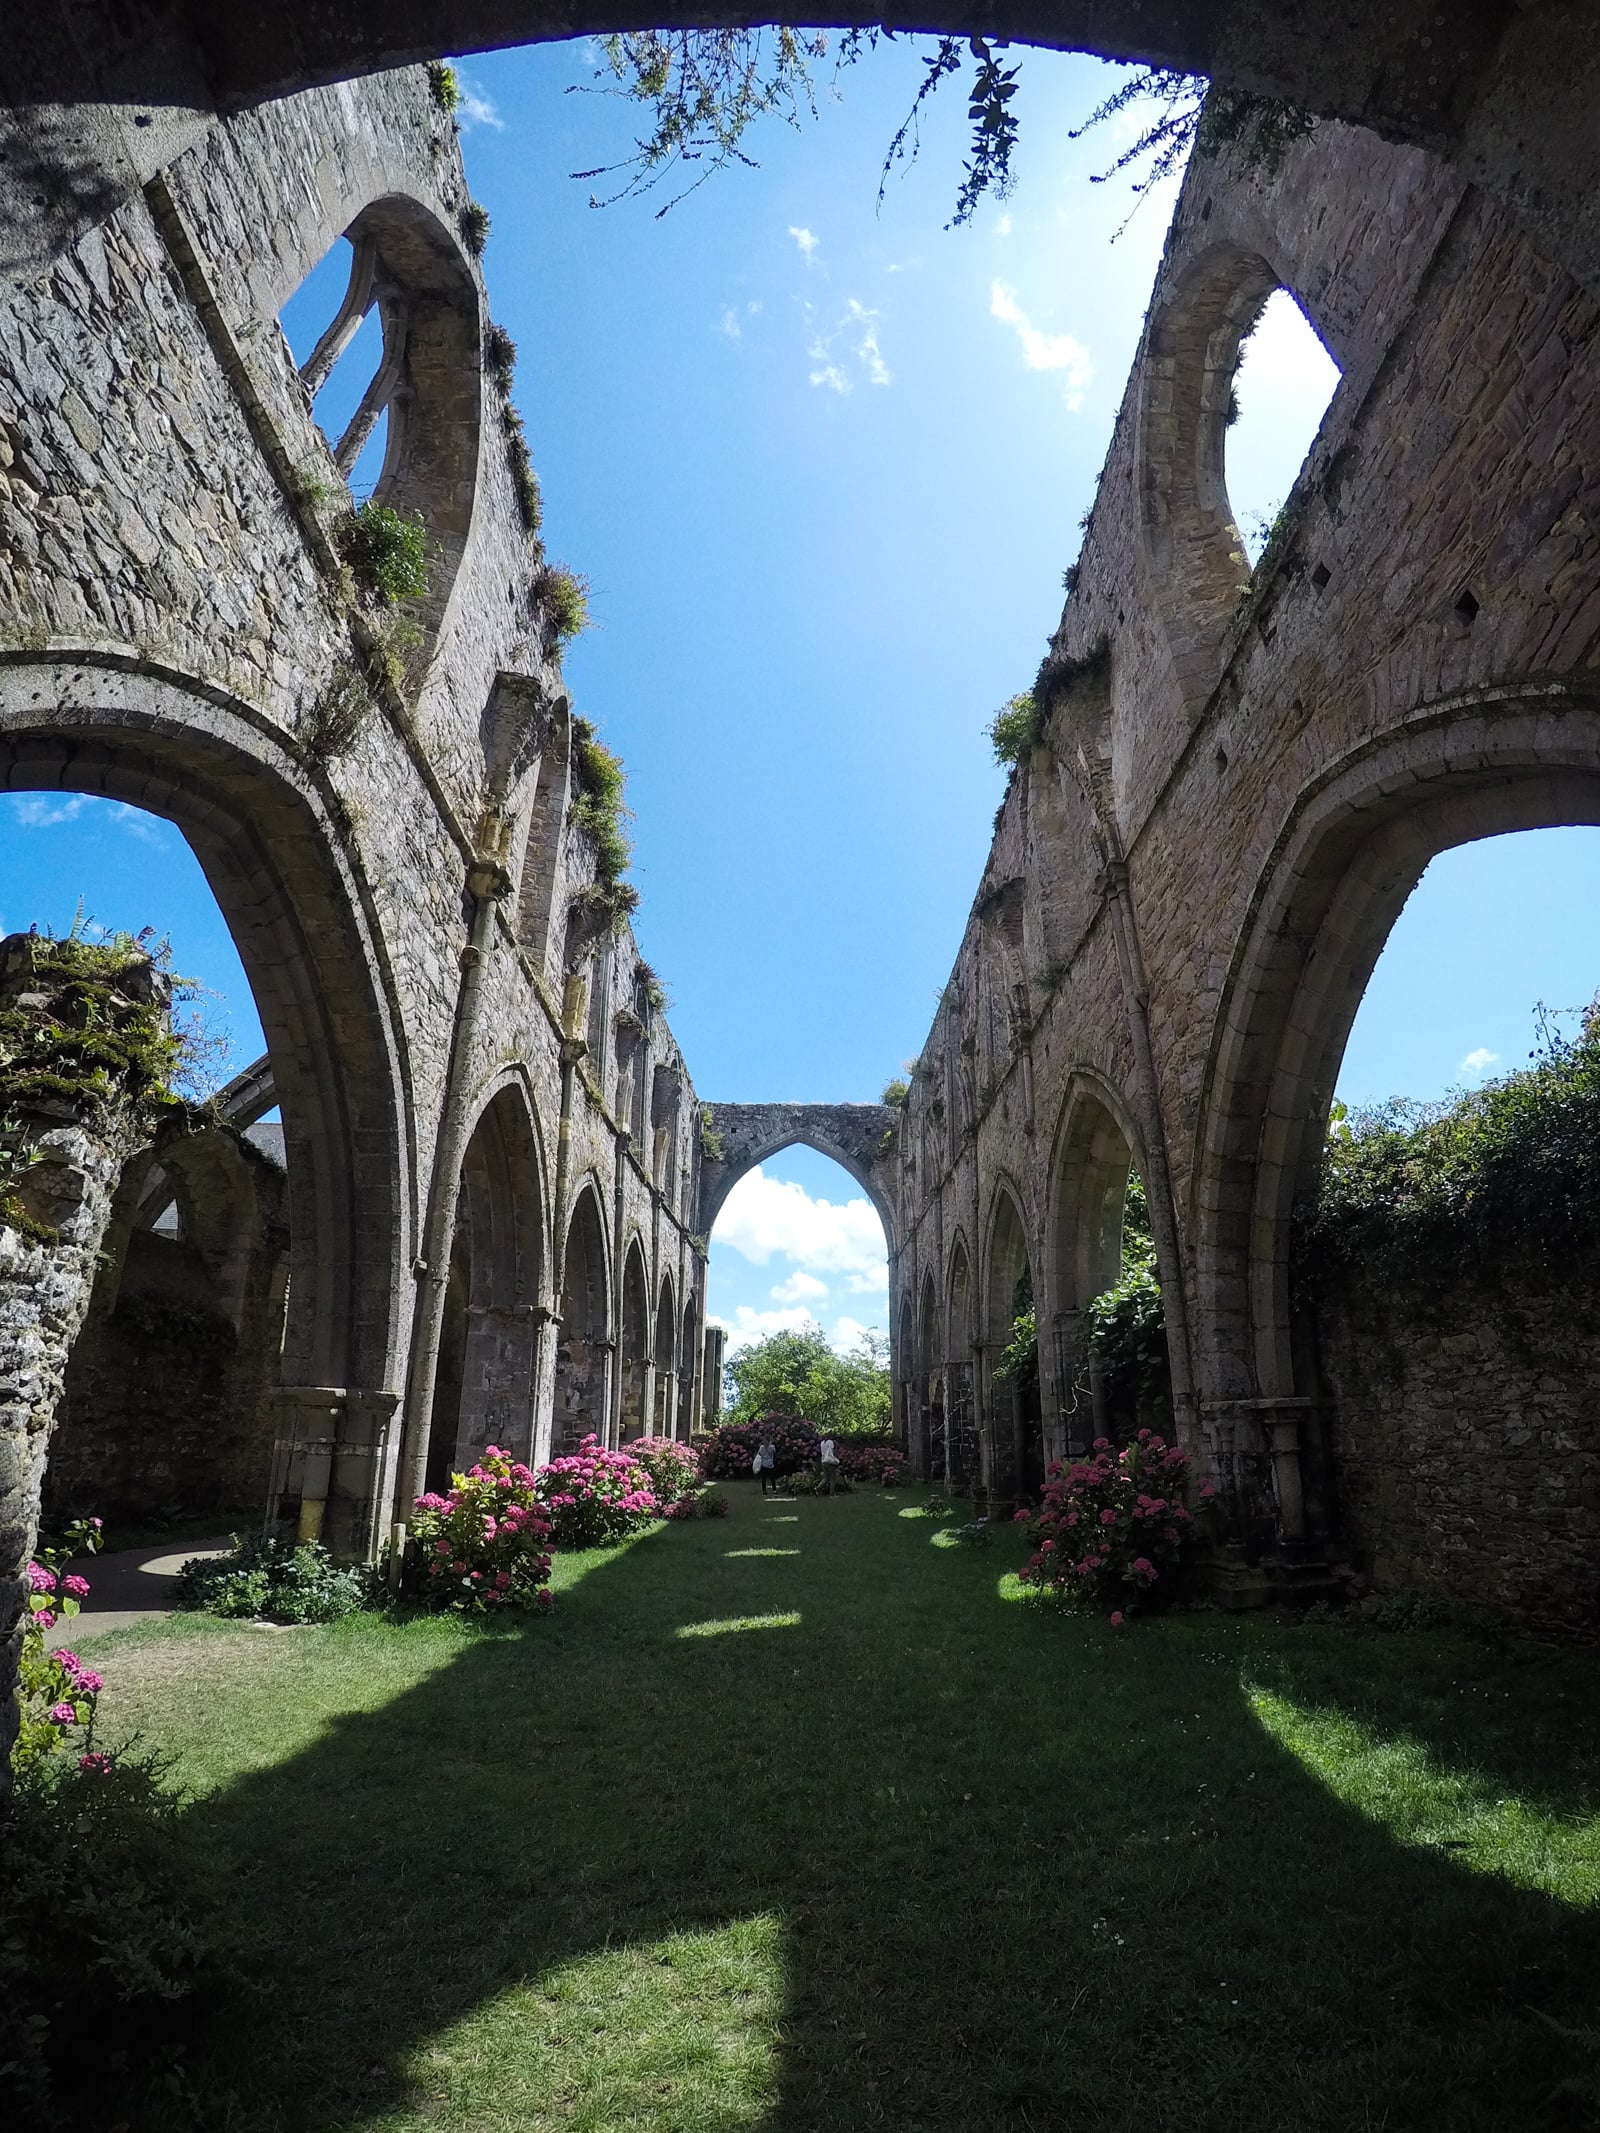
(896, 1092)
(711, 1144)
(444, 87)
(386, 551)
(1014, 728)
(473, 223)
(563, 599)
(94, 1033)
(599, 810)
(1507, 1176)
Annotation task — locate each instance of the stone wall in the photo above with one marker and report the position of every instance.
(1466, 1435)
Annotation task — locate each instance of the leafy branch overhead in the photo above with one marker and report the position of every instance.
(704, 89)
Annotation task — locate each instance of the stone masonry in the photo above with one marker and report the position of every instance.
(497, 1172)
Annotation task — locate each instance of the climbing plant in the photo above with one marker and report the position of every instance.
(1502, 1177)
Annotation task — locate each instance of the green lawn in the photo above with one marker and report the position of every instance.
(805, 1821)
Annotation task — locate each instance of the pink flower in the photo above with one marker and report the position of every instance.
(546, 1597)
(63, 1714)
(98, 1761)
(69, 1660)
(1117, 1619)
(45, 1618)
(39, 1579)
(1108, 1518)
(1206, 1489)
(1020, 1518)
(76, 1586)
(1102, 1444)
(441, 1547)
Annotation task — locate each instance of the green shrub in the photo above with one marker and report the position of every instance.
(387, 553)
(484, 1547)
(500, 359)
(444, 87)
(276, 1580)
(101, 1939)
(598, 806)
(1507, 1175)
(524, 481)
(473, 223)
(1014, 729)
(563, 598)
(895, 1093)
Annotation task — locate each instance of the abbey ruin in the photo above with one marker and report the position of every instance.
(485, 1217)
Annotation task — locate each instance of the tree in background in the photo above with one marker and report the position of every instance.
(798, 1373)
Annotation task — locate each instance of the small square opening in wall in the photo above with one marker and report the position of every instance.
(1466, 608)
(1320, 576)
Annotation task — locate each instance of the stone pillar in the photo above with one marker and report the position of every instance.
(71, 1122)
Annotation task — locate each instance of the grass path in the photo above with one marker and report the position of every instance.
(798, 1822)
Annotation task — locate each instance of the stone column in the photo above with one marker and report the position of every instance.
(73, 1116)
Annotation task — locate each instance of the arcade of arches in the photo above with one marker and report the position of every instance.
(484, 1213)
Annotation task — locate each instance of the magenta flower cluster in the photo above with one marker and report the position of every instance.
(484, 1548)
(673, 1468)
(57, 1692)
(592, 1496)
(1110, 1526)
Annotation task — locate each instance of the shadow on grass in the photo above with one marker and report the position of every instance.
(885, 1851)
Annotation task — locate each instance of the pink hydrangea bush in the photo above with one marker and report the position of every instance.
(1110, 1527)
(882, 1463)
(484, 1548)
(57, 1693)
(726, 1452)
(673, 1468)
(593, 1496)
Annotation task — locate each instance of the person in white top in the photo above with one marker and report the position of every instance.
(830, 1465)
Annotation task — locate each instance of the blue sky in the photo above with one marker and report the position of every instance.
(824, 468)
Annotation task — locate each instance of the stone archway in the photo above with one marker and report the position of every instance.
(260, 828)
(1355, 845)
(488, 1374)
(633, 1402)
(1013, 1439)
(665, 1401)
(584, 1346)
(1095, 1154)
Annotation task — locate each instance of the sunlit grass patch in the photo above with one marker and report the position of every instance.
(676, 2035)
(740, 1555)
(1398, 1781)
(730, 1623)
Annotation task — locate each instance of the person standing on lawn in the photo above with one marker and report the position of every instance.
(767, 1464)
(830, 1465)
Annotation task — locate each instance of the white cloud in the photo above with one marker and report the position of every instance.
(846, 1333)
(764, 1215)
(33, 811)
(1480, 1061)
(1045, 351)
(1004, 226)
(749, 1325)
(476, 108)
(729, 323)
(808, 244)
(853, 338)
(800, 1287)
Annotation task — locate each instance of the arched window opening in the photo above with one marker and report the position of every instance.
(1446, 1306)
(583, 1346)
(666, 1364)
(688, 1373)
(962, 1448)
(1014, 1448)
(348, 340)
(635, 1356)
(488, 1357)
(930, 1382)
(798, 1253)
(171, 1390)
(1282, 383)
(1109, 1333)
